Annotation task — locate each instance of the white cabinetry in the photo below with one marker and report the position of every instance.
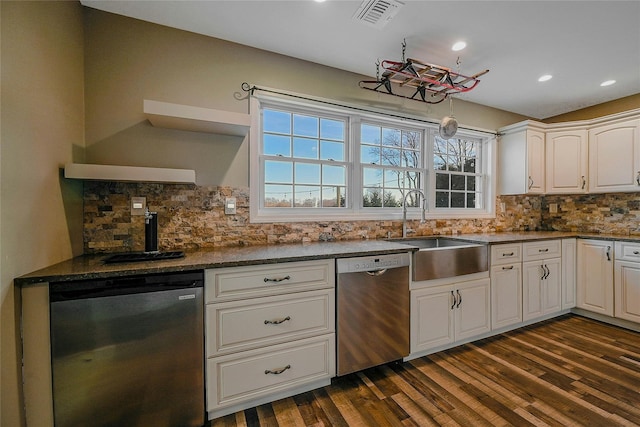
(595, 276)
(567, 161)
(506, 285)
(521, 159)
(614, 157)
(569, 265)
(444, 314)
(627, 281)
(270, 332)
(541, 279)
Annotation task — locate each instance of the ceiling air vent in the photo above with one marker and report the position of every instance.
(377, 13)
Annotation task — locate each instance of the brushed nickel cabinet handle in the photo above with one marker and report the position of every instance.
(531, 181)
(277, 322)
(459, 298)
(508, 268)
(608, 253)
(636, 252)
(638, 178)
(543, 250)
(266, 279)
(508, 254)
(453, 296)
(584, 182)
(277, 371)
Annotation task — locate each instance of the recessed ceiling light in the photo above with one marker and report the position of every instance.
(545, 78)
(319, 1)
(458, 46)
(607, 83)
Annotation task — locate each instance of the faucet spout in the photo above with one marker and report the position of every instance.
(404, 209)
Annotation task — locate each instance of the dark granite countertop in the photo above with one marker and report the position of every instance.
(93, 267)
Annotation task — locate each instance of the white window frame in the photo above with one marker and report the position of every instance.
(353, 210)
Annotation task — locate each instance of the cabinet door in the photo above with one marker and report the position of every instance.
(472, 309)
(532, 293)
(595, 276)
(432, 317)
(568, 276)
(506, 295)
(627, 290)
(614, 157)
(552, 286)
(535, 162)
(567, 160)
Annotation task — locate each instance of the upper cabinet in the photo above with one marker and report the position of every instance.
(567, 161)
(197, 119)
(521, 159)
(590, 156)
(614, 157)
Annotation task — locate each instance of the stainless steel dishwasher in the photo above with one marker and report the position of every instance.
(128, 351)
(372, 311)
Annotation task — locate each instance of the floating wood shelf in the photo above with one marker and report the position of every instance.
(197, 119)
(129, 173)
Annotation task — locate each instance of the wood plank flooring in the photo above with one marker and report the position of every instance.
(569, 371)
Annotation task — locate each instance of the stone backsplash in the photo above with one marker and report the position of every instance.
(192, 217)
(611, 213)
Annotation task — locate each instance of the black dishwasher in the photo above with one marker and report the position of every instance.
(128, 351)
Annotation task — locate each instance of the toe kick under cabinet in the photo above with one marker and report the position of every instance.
(270, 332)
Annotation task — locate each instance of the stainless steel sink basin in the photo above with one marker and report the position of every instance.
(441, 257)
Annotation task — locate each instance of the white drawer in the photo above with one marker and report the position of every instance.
(506, 253)
(242, 325)
(541, 250)
(232, 283)
(627, 251)
(241, 377)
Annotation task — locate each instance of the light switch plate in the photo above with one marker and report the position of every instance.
(553, 208)
(230, 205)
(138, 205)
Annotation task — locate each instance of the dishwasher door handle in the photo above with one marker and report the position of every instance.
(376, 272)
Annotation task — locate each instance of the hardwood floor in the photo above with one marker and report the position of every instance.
(569, 371)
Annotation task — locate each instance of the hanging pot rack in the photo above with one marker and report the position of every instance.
(433, 83)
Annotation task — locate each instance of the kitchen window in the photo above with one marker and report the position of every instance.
(314, 162)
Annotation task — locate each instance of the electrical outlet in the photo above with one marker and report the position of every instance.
(553, 208)
(230, 206)
(138, 205)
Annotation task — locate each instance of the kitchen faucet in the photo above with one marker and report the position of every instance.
(404, 209)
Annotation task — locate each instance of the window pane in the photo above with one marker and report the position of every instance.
(305, 125)
(440, 145)
(372, 197)
(370, 134)
(372, 177)
(471, 183)
(439, 162)
(411, 140)
(391, 137)
(410, 159)
(369, 155)
(277, 145)
(470, 165)
(457, 200)
(442, 181)
(412, 180)
(442, 199)
(307, 196)
(278, 196)
(281, 172)
(334, 197)
(393, 178)
(307, 174)
(392, 198)
(305, 148)
(333, 175)
(331, 151)
(391, 156)
(457, 182)
(471, 200)
(332, 129)
(276, 121)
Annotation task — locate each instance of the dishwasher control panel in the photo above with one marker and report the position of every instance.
(372, 263)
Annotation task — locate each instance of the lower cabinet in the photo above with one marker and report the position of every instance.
(594, 290)
(444, 314)
(506, 295)
(541, 287)
(627, 281)
(270, 332)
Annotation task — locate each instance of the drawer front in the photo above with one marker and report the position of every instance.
(507, 253)
(233, 283)
(533, 251)
(627, 251)
(246, 324)
(250, 375)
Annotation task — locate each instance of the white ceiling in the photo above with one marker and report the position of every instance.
(581, 43)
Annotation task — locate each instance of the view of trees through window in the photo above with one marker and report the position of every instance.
(457, 178)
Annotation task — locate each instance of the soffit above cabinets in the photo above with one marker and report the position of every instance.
(129, 173)
(196, 119)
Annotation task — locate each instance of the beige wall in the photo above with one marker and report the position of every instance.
(617, 106)
(42, 128)
(129, 60)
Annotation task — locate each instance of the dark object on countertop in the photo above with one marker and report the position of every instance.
(143, 256)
